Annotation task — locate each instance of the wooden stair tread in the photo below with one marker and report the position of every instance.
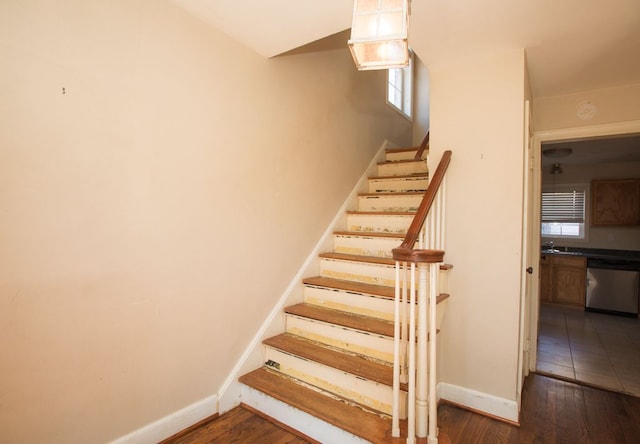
(404, 176)
(388, 162)
(352, 363)
(404, 149)
(347, 416)
(359, 258)
(382, 213)
(342, 318)
(361, 288)
(351, 286)
(370, 234)
(392, 193)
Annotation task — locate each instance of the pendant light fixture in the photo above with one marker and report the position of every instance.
(556, 169)
(379, 34)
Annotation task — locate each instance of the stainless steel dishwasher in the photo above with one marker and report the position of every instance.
(613, 286)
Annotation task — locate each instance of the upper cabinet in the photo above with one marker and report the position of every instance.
(615, 202)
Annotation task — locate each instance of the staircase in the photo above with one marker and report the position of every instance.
(334, 363)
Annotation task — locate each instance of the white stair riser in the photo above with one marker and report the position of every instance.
(367, 393)
(390, 202)
(365, 246)
(402, 168)
(378, 223)
(372, 345)
(393, 156)
(375, 307)
(380, 185)
(362, 304)
(358, 272)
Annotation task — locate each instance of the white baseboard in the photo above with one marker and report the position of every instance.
(483, 402)
(171, 424)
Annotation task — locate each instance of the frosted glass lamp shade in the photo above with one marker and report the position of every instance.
(379, 34)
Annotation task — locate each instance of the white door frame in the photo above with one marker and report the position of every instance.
(526, 279)
(539, 137)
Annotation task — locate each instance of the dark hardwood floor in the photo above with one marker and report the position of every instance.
(239, 425)
(553, 411)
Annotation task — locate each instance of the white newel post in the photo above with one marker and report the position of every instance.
(422, 383)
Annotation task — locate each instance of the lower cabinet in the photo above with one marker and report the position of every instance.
(563, 280)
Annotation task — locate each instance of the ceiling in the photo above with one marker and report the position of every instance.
(595, 150)
(571, 45)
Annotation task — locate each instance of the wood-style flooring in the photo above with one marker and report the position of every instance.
(553, 411)
(239, 425)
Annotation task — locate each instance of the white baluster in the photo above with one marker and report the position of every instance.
(433, 408)
(404, 328)
(395, 418)
(411, 407)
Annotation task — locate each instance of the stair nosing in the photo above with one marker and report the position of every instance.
(402, 149)
(392, 194)
(381, 213)
(378, 260)
(392, 162)
(351, 286)
(370, 234)
(401, 176)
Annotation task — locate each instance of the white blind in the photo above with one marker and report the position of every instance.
(563, 206)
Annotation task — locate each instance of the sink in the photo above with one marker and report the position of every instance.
(556, 251)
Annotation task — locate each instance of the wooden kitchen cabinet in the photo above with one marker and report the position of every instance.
(545, 278)
(615, 202)
(563, 280)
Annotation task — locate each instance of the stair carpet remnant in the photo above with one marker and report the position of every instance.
(335, 360)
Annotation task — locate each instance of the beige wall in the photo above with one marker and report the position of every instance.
(477, 111)
(153, 213)
(421, 101)
(620, 238)
(613, 105)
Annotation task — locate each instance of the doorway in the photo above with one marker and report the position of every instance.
(570, 343)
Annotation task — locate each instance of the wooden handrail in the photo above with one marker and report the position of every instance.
(422, 148)
(410, 239)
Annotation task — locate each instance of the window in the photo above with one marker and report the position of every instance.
(400, 88)
(563, 213)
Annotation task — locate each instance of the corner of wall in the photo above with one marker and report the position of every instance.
(506, 409)
(171, 424)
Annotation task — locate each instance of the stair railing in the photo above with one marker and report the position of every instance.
(414, 354)
(423, 146)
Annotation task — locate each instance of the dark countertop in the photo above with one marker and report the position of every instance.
(594, 253)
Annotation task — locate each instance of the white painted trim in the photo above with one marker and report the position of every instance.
(171, 424)
(229, 391)
(492, 405)
(607, 129)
